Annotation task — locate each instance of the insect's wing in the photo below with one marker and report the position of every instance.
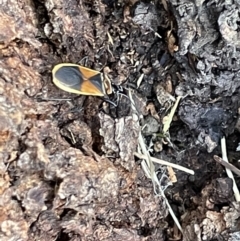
(79, 80)
(93, 83)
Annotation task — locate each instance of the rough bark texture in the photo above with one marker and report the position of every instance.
(67, 165)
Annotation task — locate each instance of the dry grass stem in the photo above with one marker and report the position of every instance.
(165, 163)
(168, 119)
(226, 164)
(228, 171)
(149, 169)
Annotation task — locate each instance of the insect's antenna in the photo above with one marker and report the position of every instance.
(109, 101)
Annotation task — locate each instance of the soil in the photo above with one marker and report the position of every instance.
(71, 166)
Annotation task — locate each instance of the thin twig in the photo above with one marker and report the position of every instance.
(227, 165)
(149, 169)
(165, 163)
(152, 174)
(228, 171)
(110, 38)
(148, 160)
(139, 81)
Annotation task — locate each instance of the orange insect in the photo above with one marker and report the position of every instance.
(80, 80)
